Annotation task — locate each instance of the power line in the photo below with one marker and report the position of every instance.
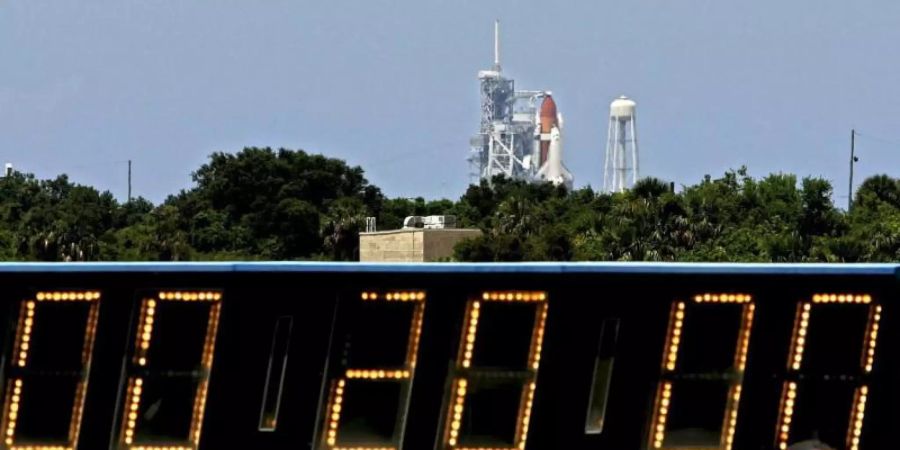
(882, 140)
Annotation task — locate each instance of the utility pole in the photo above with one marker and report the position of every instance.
(129, 181)
(853, 160)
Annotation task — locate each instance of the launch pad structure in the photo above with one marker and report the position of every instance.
(520, 140)
(507, 140)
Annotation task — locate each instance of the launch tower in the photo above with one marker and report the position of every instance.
(506, 143)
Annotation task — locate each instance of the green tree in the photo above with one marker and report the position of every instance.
(272, 204)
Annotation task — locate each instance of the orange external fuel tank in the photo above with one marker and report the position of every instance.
(548, 121)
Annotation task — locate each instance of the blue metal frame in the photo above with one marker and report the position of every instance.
(624, 268)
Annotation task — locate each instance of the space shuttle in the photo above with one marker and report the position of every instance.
(552, 168)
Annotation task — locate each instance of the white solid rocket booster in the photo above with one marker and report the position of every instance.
(553, 169)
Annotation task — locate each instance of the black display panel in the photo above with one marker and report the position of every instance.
(832, 353)
(168, 370)
(412, 360)
(375, 348)
(705, 355)
(48, 367)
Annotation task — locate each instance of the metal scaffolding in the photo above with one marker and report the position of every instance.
(505, 143)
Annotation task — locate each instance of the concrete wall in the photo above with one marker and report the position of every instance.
(392, 246)
(439, 243)
(411, 245)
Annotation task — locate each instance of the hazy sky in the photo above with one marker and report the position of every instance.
(391, 85)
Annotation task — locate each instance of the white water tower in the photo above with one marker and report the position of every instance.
(620, 170)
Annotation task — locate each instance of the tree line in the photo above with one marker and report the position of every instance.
(265, 204)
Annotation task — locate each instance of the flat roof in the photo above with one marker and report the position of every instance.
(623, 268)
(413, 230)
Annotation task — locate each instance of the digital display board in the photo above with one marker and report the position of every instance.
(474, 357)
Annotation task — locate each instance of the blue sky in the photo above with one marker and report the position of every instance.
(391, 85)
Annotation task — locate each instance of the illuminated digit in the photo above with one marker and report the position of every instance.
(799, 347)
(673, 375)
(169, 378)
(42, 369)
(470, 377)
(338, 433)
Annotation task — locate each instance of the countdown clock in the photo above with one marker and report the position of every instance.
(448, 357)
